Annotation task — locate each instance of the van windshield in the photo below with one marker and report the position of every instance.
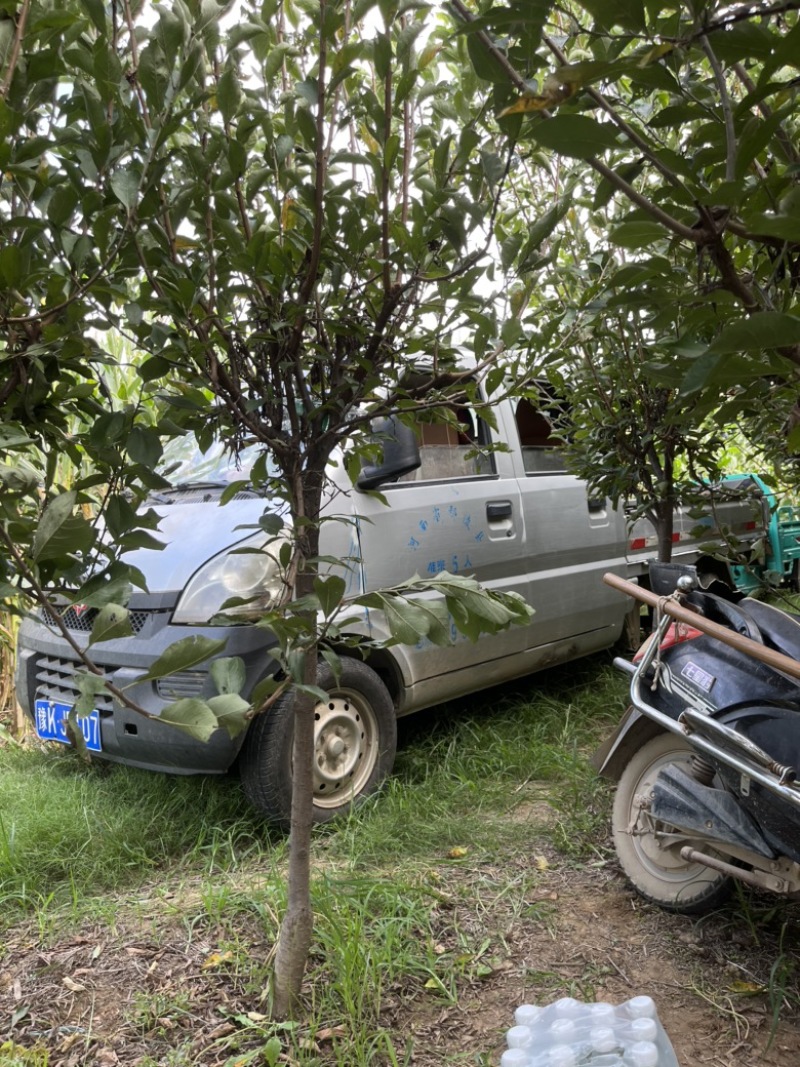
(184, 463)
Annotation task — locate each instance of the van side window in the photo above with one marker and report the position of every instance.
(541, 449)
(447, 452)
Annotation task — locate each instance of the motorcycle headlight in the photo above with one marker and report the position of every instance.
(251, 575)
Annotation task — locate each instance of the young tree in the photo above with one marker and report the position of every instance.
(288, 212)
(673, 128)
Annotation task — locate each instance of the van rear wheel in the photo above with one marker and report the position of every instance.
(355, 740)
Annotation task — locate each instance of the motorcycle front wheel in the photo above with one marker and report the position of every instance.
(649, 851)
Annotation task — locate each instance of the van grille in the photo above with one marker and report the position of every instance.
(55, 680)
(82, 620)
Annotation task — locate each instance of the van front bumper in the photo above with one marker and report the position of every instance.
(46, 668)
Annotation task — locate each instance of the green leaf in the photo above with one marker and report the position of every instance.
(228, 674)
(195, 717)
(89, 686)
(329, 593)
(636, 234)
(271, 523)
(229, 93)
(764, 329)
(629, 14)
(576, 136)
(232, 713)
(57, 512)
(485, 63)
(183, 654)
(112, 621)
(144, 446)
(125, 185)
(96, 12)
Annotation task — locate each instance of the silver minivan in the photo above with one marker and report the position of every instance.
(512, 518)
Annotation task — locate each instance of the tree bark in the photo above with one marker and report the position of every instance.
(665, 523)
(294, 939)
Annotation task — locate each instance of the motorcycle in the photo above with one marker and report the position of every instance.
(706, 758)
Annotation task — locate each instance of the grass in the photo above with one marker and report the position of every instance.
(412, 893)
(68, 830)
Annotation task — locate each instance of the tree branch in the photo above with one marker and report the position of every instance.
(13, 59)
(727, 111)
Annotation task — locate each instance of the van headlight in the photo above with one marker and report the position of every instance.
(254, 575)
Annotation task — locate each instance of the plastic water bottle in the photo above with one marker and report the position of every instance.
(643, 1054)
(642, 1029)
(641, 1008)
(602, 1014)
(562, 1031)
(527, 1014)
(515, 1057)
(519, 1037)
(562, 1056)
(603, 1039)
(568, 1008)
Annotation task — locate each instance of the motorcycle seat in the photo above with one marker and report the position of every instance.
(779, 630)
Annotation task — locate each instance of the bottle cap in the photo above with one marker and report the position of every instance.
(602, 1014)
(643, 1054)
(639, 1007)
(519, 1037)
(526, 1014)
(515, 1057)
(568, 1007)
(644, 1029)
(603, 1039)
(562, 1031)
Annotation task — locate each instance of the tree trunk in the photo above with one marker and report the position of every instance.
(665, 519)
(294, 939)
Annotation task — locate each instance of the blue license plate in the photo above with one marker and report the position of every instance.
(51, 724)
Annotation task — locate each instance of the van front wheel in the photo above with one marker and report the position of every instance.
(355, 740)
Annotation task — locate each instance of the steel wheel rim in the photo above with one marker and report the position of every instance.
(345, 747)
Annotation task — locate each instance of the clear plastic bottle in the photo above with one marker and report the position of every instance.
(515, 1057)
(562, 1031)
(602, 1014)
(527, 1014)
(568, 1008)
(519, 1037)
(642, 1028)
(562, 1056)
(643, 1054)
(641, 1007)
(603, 1039)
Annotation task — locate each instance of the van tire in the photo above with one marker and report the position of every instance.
(355, 741)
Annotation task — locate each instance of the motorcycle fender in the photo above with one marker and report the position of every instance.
(634, 730)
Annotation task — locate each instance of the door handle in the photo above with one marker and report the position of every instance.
(597, 503)
(500, 509)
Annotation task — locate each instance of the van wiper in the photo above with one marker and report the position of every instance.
(201, 485)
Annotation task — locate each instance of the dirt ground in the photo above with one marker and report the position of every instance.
(170, 992)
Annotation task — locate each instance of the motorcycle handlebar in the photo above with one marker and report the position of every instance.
(675, 610)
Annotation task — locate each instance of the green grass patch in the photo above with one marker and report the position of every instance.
(70, 831)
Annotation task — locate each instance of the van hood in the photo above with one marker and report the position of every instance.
(192, 533)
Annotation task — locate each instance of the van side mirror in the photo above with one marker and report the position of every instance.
(400, 453)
